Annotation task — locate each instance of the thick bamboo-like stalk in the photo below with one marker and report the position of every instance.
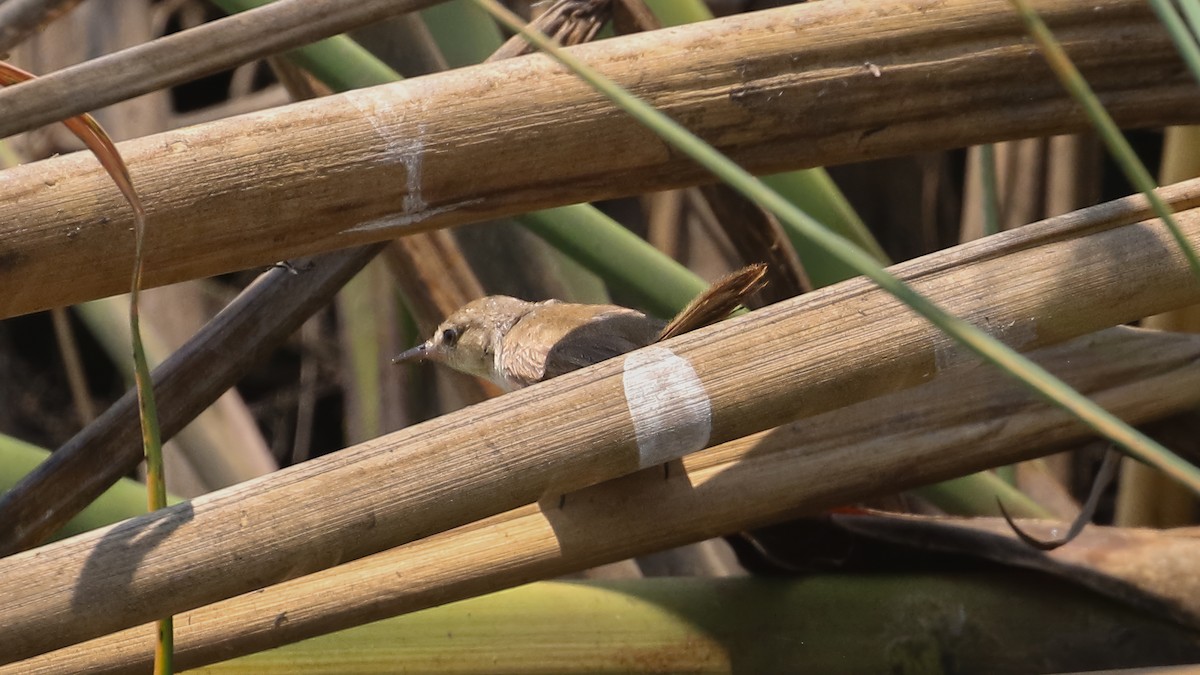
(975, 417)
(1032, 287)
(223, 444)
(776, 90)
(754, 625)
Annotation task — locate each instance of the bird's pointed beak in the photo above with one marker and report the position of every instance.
(418, 353)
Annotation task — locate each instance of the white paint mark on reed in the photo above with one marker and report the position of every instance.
(671, 412)
(408, 150)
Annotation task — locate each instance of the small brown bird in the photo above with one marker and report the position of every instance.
(516, 343)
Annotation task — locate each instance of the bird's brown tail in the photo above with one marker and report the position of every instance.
(717, 302)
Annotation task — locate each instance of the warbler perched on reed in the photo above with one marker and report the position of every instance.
(516, 343)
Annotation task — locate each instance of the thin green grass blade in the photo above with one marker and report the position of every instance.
(982, 344)
(812, 190)
(89, 131)
(1120, 149)
(1191, 10)
(815, 192)
(1185, 41)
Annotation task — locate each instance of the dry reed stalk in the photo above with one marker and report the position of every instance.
(828, 349)
(778, 89)
(975, 417)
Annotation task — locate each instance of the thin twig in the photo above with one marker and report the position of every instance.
(262, 317)
(181, 57)
(20, 18)
(306, 403)
(73, 365)
(1107, 470)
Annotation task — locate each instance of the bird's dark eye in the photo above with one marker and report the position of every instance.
(450, 336)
